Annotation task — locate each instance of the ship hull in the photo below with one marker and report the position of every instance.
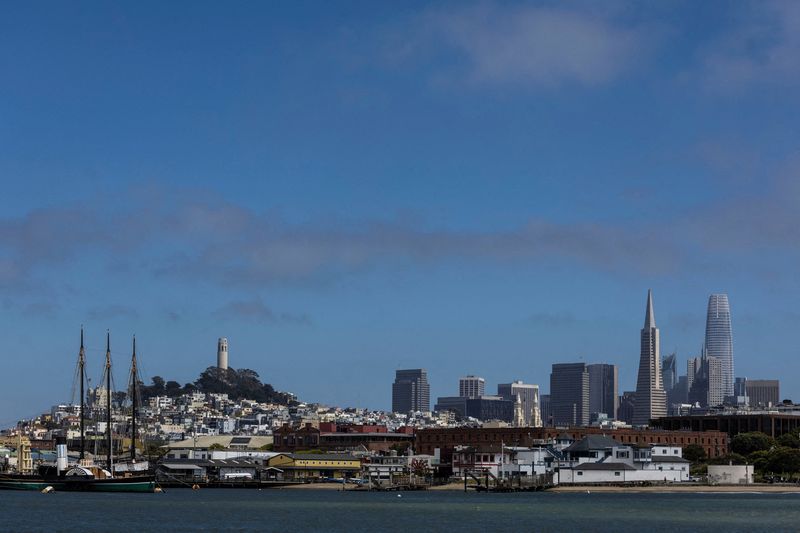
(30, 484)
(132, 484)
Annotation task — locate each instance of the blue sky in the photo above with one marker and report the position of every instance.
(344, 189)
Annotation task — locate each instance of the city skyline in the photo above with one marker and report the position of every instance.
(367, 187)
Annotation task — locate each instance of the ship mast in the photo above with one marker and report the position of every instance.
(108, 399)
(81, 369)
(134, 374)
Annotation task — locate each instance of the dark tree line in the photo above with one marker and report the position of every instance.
(237, 384)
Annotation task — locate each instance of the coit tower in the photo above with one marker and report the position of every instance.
(222, 353)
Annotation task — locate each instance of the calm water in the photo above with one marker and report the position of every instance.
(309, 510)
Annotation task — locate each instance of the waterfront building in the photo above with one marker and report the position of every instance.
(763, 392)
(569, 394)
(603, 389)
(651, 400)
(719, 342)
(601, 459)
(222, 353)
(428, 440)
(411, 391)
(529, 396)
(312, 466)
(471, 387)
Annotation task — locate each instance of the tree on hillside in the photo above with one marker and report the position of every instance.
(747, 443)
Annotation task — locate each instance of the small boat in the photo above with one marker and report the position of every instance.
(85, 476)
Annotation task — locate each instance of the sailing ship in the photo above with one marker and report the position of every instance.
(86, 475)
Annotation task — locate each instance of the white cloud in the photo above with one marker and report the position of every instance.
(538, 46)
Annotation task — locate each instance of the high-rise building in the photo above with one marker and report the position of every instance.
(669, 371)
(719, 341)
(763, 392)
(529, 396)
(569, 394)
(651, 400)
(471, 387)
(626, 404)
(411, 391)
(222, 353)
(603, 389)
(706, 388)
(544, 409)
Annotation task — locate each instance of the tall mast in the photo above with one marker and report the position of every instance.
(81, 366)
(134, 373)
(108, 398)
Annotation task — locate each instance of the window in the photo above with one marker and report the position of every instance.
(616, 473)
(580, 473)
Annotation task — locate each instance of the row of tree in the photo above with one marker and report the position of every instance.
(769, 456)
(237, 384)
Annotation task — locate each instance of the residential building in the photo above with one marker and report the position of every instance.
(569, 394)
(471, 387)
(651, 400)
(719, 341)
(411, 391)
(529, 396)
(601, 459)
(763, 392)
(603, 389)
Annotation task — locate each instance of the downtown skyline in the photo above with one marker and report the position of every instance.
(363, 190)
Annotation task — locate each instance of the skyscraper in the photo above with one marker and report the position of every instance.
(411, 391)
(569, 394)
(471, 387)
(603, 389)
(651, 400)
(763, 392)
(719, 341)
(528, 395)
(669, 371)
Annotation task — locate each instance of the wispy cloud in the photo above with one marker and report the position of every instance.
(187, 237)
(500, 44)
(255, 310)
(762, 47)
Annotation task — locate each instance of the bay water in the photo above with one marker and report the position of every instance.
(455, 512)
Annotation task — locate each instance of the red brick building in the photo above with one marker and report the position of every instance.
(308, 437)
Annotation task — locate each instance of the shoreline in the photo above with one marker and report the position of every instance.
(567, 489)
